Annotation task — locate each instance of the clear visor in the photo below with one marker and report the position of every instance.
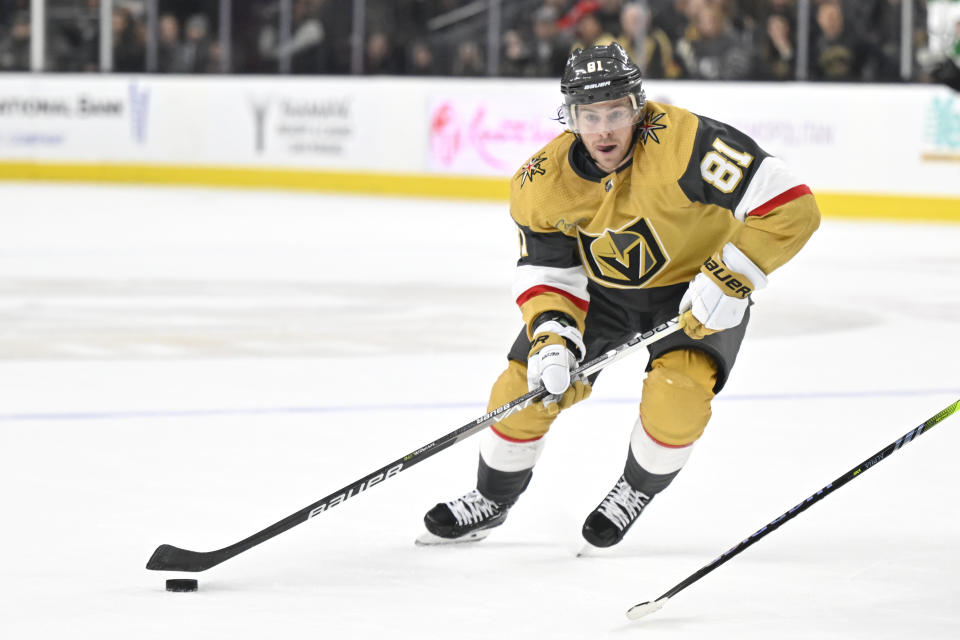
(600, 117)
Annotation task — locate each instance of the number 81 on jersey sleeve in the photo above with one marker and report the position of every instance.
(719, 166)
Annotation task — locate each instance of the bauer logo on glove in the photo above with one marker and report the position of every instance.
(736, 282)
(718, 296)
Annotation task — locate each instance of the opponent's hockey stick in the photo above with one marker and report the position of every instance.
(170, 558)
(645, 608)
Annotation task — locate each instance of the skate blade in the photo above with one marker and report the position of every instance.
(428, 539)
(590, 551)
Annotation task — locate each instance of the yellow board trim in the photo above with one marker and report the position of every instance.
(833, 204)
(419, 185)
(889, 206)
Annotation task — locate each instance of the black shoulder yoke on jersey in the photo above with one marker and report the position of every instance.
(723, 162)
(548, 249)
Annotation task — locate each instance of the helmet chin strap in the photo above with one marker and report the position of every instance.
(633, 144)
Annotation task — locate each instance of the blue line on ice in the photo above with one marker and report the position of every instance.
(252, 411)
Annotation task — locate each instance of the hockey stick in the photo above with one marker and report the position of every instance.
(170, 558)
(645, 608)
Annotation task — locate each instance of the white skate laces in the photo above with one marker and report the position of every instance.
(623, 504)
(472, 508)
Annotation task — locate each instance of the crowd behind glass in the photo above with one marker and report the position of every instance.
(849, 40)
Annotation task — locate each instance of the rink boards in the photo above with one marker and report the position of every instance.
(889, 151)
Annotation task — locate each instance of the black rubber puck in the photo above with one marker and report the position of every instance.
(182, 584)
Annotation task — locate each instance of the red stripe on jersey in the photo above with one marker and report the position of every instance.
(664, 444)
(787, 196)
(509, 439)
(543, 288)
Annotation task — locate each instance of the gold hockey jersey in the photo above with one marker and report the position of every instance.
(693, 185)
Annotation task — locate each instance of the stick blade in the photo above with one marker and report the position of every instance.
(638, 611)
(170, 558)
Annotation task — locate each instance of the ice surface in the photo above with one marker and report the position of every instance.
(189, 366)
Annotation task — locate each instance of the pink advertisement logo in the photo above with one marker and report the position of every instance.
(485, 137)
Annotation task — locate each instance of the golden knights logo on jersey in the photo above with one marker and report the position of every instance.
(624, 258)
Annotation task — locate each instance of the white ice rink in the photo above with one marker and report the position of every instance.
(190, 366)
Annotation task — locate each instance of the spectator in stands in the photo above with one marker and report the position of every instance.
(311, 45)
(886, 20)
(550, 49)
(420, 60)
(468, 60)
(608, 13)
(947, 70)
(771, 55)
(169, 47)
(648, 46)
(634, 31)
(129, 54)
(306, 45)
(196, 45)
(380, 56)
(214, 57)
(590, 32)
(15, 45)
(671, 16)
(838, 53)
(851, 39)
(73, 40)
(712, 49)
(742, 22)
(776, 59)
(257, 26)
(515, 61)
(569, 19)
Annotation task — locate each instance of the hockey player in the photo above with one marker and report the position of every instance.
(640, 212)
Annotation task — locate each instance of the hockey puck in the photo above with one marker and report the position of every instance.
(182, 584)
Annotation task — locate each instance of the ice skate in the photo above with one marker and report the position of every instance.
(609, 522)
(466, 519)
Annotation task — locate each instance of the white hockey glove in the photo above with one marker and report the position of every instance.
(555, 350)
(717, 296)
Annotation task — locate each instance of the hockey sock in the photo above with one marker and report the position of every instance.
(651, 465)
(506, 466)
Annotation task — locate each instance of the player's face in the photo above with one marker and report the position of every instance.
(606, 129)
